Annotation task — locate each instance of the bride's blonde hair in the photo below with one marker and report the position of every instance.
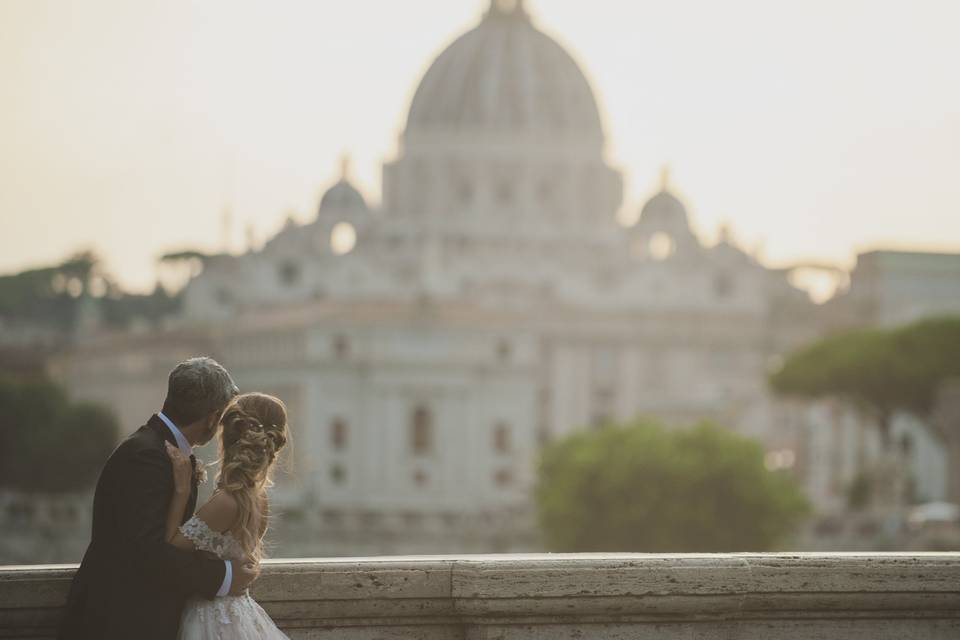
(254, 431)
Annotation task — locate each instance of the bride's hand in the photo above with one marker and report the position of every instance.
(182, 470)
(244, 573)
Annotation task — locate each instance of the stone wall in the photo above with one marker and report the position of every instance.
(587, 596)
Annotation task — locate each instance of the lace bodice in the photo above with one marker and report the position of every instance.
(227, 617)
(224, 545)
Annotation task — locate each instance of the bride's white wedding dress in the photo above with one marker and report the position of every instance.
(227, 617)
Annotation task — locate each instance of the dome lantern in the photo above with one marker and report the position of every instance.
(663, 220)
(343, 196)
(513, 8)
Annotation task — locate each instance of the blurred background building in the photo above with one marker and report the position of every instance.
(888, 288)
(427, 347)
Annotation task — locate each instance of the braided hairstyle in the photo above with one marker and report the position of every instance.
(254, 431)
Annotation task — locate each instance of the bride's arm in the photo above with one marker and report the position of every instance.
(219, 513)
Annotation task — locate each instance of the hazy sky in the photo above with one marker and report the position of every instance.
(815, 128)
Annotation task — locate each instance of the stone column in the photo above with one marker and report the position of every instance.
(946, 418)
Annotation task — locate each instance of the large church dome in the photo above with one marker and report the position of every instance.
(505, 76)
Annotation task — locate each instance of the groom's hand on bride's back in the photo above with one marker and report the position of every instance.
(244, 573)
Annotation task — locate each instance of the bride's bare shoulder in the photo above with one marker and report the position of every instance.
(220, 511)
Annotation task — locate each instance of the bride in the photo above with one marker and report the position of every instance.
(232, 523)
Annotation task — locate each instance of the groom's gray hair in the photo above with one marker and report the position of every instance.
(196, 388)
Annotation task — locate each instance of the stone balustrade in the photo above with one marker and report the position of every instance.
(587, 596)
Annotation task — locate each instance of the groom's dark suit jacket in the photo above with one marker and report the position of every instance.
(132, 584)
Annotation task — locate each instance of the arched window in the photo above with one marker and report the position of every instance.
(723, 285)
(661, 246)
(545, 192)
(338, 433)
(465, 192)
(289, 273)
(906, 444)
(544, 436)
(504, 350)
(421, 430)
(501, 437)
(505, 193)
(343, 238)
(341, 347)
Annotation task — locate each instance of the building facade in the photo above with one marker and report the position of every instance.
(427, 347)
(889, 288)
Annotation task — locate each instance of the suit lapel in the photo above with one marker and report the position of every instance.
(157, 425)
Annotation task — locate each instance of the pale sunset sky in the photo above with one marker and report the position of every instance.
(816, 129)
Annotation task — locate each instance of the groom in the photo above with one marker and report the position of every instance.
(131, 583)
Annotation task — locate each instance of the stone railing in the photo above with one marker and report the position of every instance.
(587, 596)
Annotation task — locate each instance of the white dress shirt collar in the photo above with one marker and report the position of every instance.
(181, 439)
(187, 451)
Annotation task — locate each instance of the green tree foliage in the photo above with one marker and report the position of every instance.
(880, 370)
(51, 297)
(121, 310)
(47, 443)
(179, 267)
(47, 296)
(188, 255)
(641, 487)
(931, 350)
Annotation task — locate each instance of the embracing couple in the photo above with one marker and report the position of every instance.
(155, 570)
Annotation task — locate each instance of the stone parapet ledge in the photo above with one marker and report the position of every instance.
(588, 596)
